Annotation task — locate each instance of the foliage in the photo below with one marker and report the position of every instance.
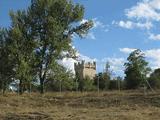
(102, 80)
(60, 79)
(37, 38)
(53, 23)
(136, 70)
(86, 84)
(22, 46)
(116, 84)
(154, 79)
(6, 63)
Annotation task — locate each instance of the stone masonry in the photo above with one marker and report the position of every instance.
(83, 69)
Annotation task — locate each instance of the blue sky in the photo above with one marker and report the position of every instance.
(119, 28)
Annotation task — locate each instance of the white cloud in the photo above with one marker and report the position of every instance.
(155, 4)
(116, 64)
(147, 9)
(127, 24)
(127, 50)
(146, 25)
(68, 63)
(86, 58)
(153, 53)
(154, 57)
(91, 36)
(98, 24)
(143, 15)
(131, 25)
(154, 37)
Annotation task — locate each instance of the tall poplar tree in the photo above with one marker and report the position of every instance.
(53, 24)
(136, 70)
(6, 62)
(21, 47)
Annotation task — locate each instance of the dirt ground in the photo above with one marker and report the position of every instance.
(124, 105)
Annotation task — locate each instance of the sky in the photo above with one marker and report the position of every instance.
(119, 28)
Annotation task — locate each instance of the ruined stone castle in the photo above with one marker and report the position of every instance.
(84, 69)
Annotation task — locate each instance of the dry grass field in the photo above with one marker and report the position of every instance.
(126, 105)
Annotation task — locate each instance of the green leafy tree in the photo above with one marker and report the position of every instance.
(107, 75)
(6, 63)
(60, 79)
(136, 70)
(86, 84)
(53, 24)
(22, 46)
(116, 83)
(102, 80)
(154, 79)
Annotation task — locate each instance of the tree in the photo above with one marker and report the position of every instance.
(107, 75)
(116, 83)
(6, 63)
(136, 70)
(53, 23)
(154, 79)
(86, 84)
(60, 79)
(22, 46)
(41, 34)
(102, 81)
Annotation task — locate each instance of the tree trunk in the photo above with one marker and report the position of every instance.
(30, 87)
(4, 88)
(42, 80)
(42, 86)
(20, 87)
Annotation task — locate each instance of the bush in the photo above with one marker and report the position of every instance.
(154, 79)
(86, 84)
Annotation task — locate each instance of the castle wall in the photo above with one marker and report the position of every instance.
(85, 69)
(89, 72)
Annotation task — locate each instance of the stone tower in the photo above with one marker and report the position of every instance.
(83, 69)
